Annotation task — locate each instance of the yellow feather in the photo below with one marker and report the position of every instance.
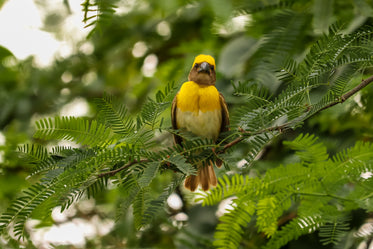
(199, 110)
(202, 57)
(194, 98)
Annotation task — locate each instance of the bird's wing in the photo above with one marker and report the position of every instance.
(224, 123)
(224, 114)
(177, 138)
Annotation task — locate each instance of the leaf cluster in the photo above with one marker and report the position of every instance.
(97, 12)
(120, 148)
(114, 144)
(324, 77)
(314, 194)
(312, 191)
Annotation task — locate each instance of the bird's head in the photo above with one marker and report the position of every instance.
(203, 70)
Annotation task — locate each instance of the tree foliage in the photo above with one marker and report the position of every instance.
(317, 186)
(285, 79)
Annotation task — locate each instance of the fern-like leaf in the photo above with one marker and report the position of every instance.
(333, 231)
(311, 184)
(33, 153)
(140, 203)
(130, 188)
(167, 94)
(97, 13)
(22, 208)
(158, 203)
(115, 116)
(148, 174)
(233, 223)
(308, 149)
(79, 130)
(181, 164)
(269, 210)
(226, 188)
(293, 230)
(150, 113)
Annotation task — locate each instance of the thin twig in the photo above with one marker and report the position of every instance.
(347, 95)
(234, 142)
(280, 128)
(241, 137)
(244, 133)
(115, 171)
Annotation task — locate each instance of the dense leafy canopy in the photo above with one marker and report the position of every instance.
(298, 156)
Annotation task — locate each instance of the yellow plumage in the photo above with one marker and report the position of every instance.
(193, 98)
(203, 57)
(200, 109)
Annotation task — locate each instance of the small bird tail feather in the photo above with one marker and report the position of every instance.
(218, 162)
(205, 177)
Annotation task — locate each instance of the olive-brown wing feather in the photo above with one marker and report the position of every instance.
(177, 138)
(224, 114)
(224, 123)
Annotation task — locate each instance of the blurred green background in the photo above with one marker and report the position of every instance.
(139, 49)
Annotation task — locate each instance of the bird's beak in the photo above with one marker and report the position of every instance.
(204, 67)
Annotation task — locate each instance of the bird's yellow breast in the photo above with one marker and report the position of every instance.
(198, 110)
(194, 98)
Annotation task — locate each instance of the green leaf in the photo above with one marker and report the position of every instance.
(293, 230)
(22, 208)
(148, 174)
(79, 130)
(115, 116)
(181, 164)
(233, 223)
(308, 149)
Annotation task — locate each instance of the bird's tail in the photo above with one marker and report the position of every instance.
(205, 177)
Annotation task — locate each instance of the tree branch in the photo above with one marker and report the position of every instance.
(280, 128)
(241, 137)
(350, 93)
(115, 171)
(243, 133)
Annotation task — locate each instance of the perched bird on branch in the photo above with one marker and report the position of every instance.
(200, 109)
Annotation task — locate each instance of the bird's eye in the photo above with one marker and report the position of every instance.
(196, 65)
(212, 67)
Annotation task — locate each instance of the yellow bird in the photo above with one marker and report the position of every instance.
(199, 108)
